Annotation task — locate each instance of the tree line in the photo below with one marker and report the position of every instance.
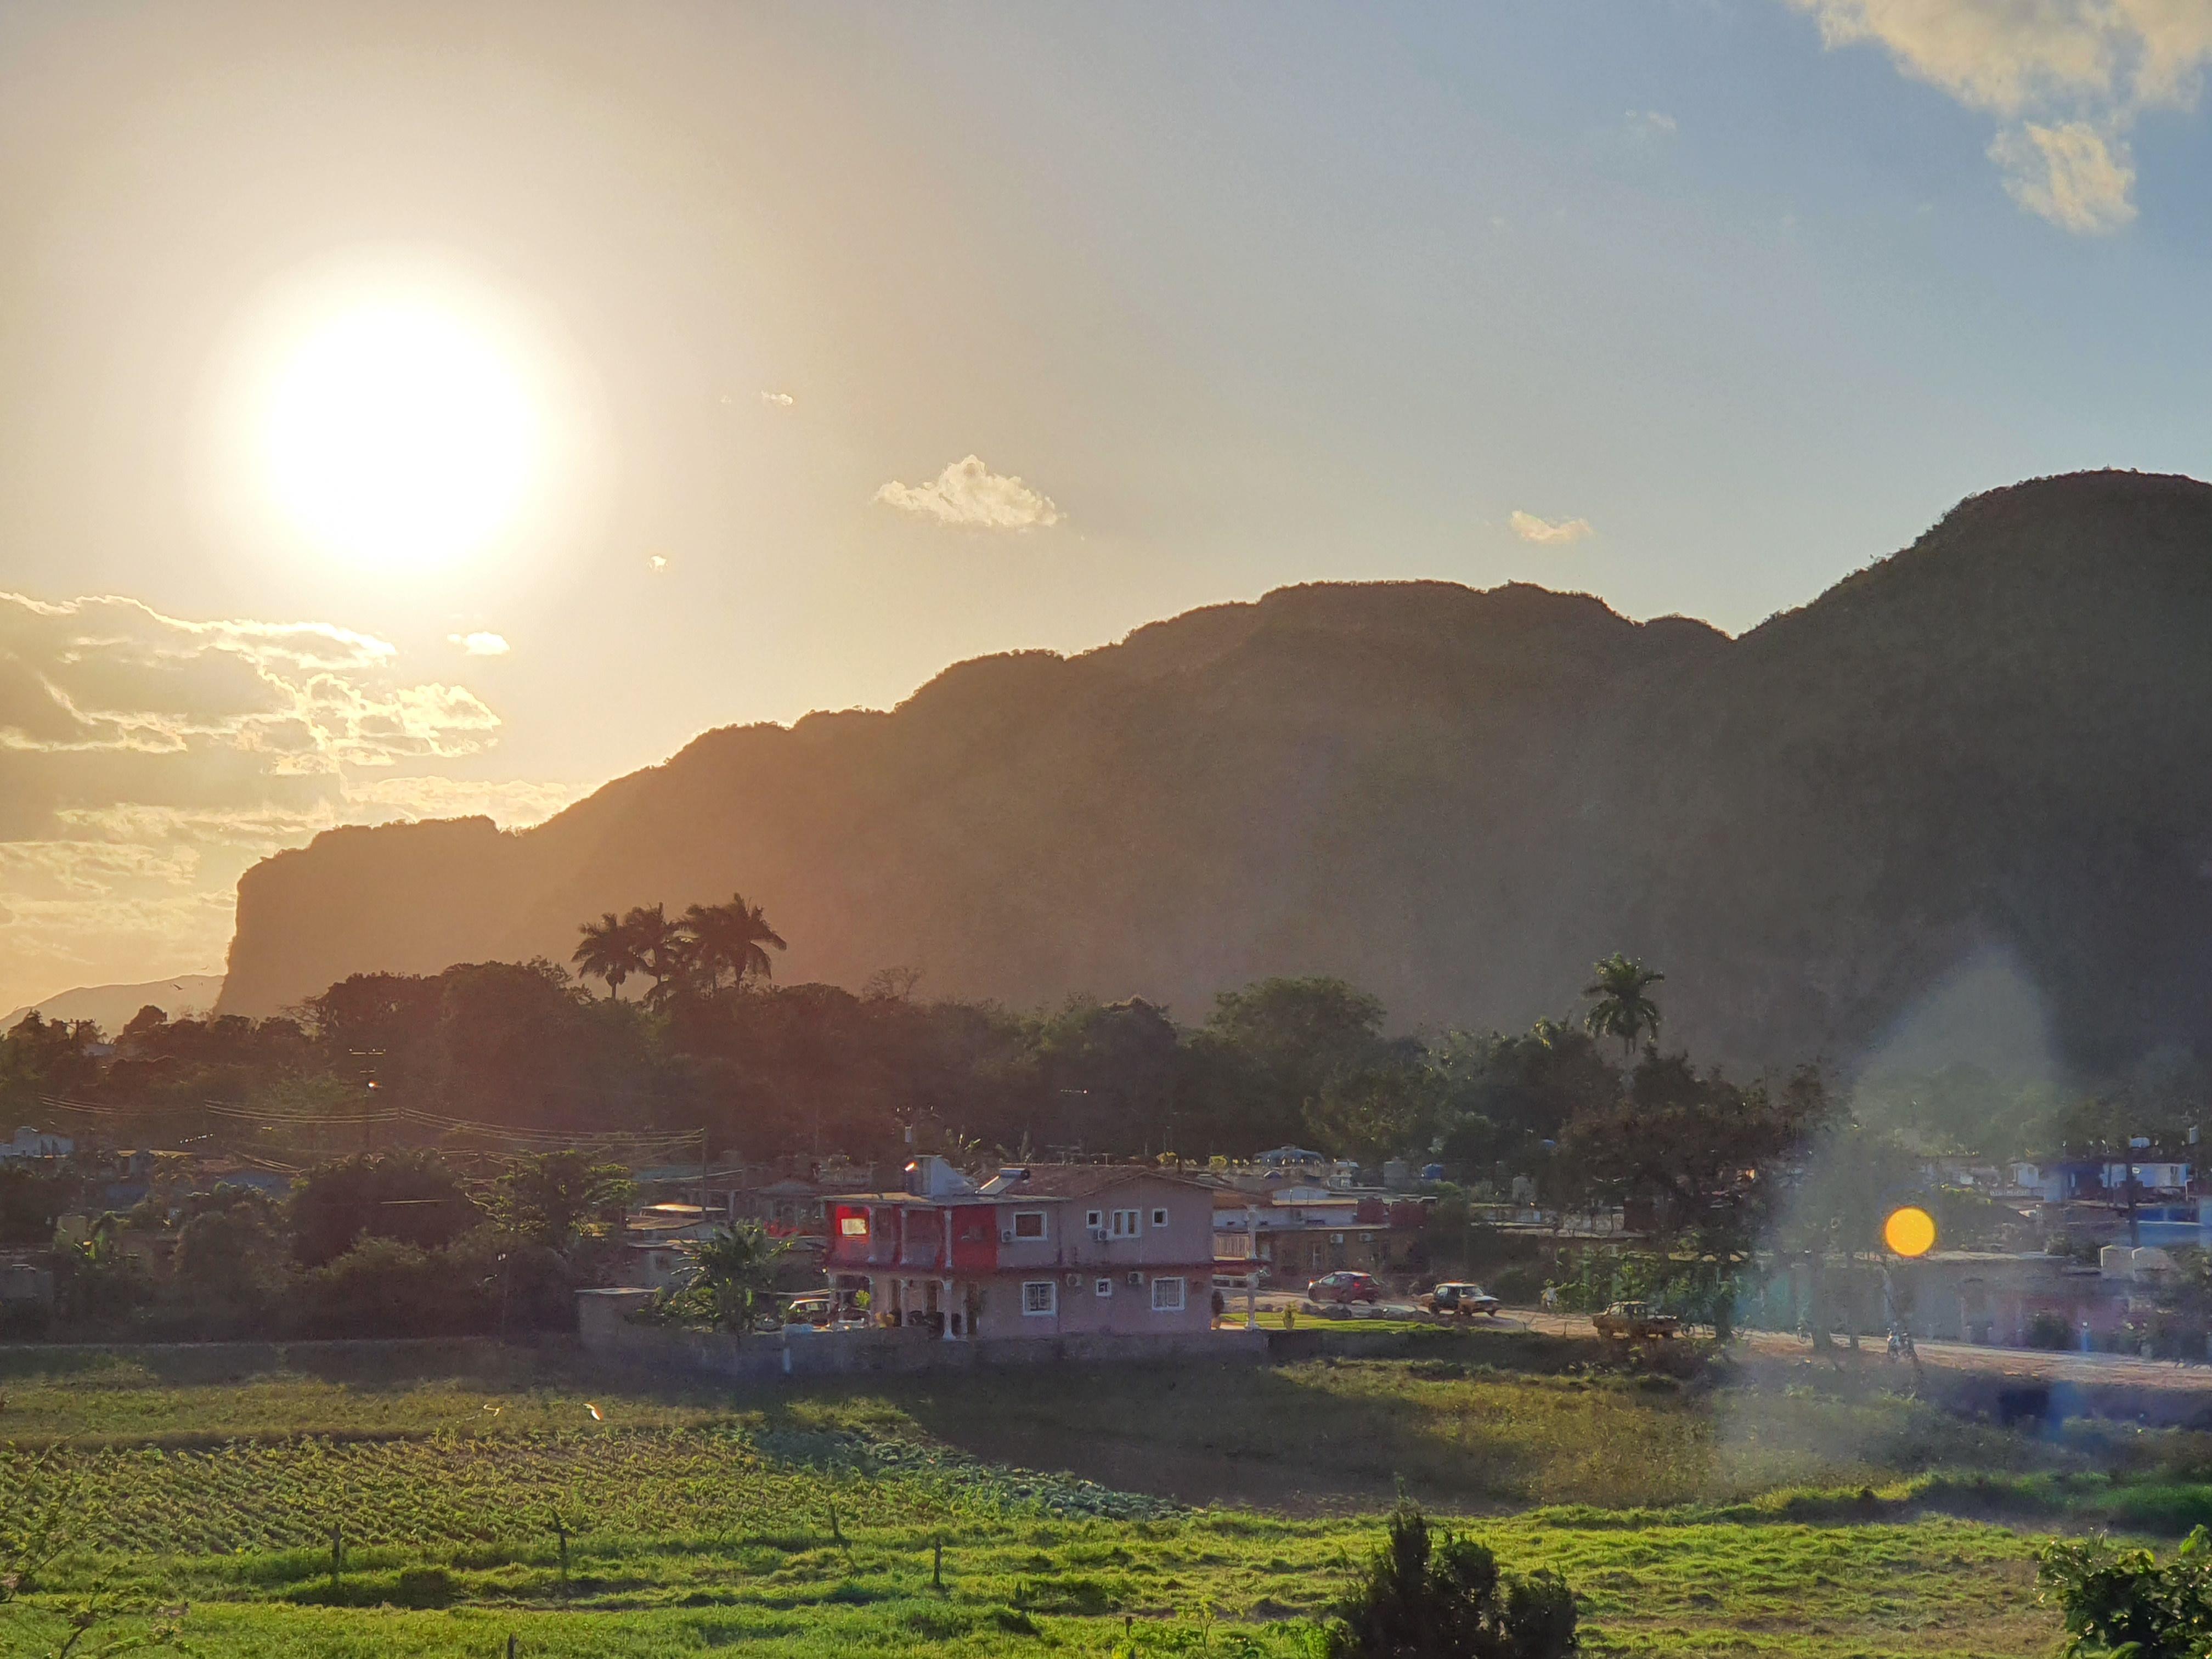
(398, 1243)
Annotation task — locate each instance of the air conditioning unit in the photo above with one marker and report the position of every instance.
(1137, 1280)
(1006, 1235)
(1074, 1279)
(1098, 1233)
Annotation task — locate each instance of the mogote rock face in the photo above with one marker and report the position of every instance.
(1997, 741)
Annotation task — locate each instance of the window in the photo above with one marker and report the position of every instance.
(853, 1226)
(1092, 1218)
(1367, 1239)
(1167, 1296)
(1039, 1295)
(1104, 1287)
(1028, 1224)
(1159, 1218)
(1125, 1223)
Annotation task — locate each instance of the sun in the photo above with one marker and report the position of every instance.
(400, 432)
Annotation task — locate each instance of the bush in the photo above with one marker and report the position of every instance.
(2127, 1602)
(1418, 1600)
(2049, 1330)
(384, 1288)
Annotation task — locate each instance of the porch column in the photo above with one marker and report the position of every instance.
(945, 1302)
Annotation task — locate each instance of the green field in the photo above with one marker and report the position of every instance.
(1181, 1509)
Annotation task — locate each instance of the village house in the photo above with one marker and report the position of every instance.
(653, 1243)
(1039, 1250)
(1291, 1234)
(29, 1145)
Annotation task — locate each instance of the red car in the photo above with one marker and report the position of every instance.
(1344, 1287)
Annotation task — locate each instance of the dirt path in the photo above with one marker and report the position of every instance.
(2106, 1370)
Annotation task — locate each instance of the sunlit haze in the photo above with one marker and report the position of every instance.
(724, 362)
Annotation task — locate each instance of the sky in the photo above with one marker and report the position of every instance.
(416, 409)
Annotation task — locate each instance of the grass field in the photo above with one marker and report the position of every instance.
(1181, 1509)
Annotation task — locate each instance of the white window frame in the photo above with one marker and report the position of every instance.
(1050, 1299)
(1125, 1223)
(1103, 1287)
(1043, 1226)
(1176, 1303)
(1094, 1219)
(1159, 1218)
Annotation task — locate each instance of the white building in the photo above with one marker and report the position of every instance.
(29, 1143)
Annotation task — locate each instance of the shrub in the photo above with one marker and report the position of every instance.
(2049, 1330)
(2127, 1602)
(1420, 1600)
(384, 1288)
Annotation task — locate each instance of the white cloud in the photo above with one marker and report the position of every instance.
(968, 493)
(778, 400)
(479, 645)
(1648, 124)
(2072, 175)
(1549, 533)
(656, 564)
(147, 760)
(2067, 78)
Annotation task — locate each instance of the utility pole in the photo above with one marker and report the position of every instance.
(367, 1059)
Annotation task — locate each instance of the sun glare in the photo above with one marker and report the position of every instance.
(400, 434)
(1909, 1231)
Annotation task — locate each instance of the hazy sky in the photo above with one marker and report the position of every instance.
(716, 362)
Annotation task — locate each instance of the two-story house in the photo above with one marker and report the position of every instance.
(1039, 1250)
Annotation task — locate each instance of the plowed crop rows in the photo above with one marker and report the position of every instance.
(457, 1491)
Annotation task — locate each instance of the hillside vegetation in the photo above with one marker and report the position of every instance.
(1991, 743)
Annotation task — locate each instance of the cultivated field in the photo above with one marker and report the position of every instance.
(1181, 1510)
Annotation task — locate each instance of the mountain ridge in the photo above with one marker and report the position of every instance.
(1456, 797)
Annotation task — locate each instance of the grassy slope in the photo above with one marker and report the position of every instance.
(704, 1519)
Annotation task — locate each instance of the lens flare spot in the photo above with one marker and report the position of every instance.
(1910, 1230)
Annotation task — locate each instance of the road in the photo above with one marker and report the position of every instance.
(2035, 1365)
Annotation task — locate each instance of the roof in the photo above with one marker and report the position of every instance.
(1041, 1180)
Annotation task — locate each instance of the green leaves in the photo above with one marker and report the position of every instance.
(2126, 1604)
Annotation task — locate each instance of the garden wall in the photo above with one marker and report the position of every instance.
(603, 1325)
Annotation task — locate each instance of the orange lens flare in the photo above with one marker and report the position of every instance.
(1909, 1231)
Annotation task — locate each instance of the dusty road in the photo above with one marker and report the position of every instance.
(2030, 1365)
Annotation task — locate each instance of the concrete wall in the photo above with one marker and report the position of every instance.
(1080, 1310)
(605, 1332)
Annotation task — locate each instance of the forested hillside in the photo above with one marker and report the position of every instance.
(2000, 737)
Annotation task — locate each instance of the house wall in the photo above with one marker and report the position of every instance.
(1079, 1309)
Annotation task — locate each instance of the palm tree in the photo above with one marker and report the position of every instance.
(732, 1270)
(656, 947)
(721, 938)
(1622, 1010)
(609, 952)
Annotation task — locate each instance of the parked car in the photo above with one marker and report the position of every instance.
(1344, 1287)
(816, 1308)
(1635, 1322)
(1455, 1297)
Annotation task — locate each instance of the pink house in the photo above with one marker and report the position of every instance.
(1040, 1250)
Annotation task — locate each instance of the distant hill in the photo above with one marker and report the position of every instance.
(1997, 742)
(112, 1006)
